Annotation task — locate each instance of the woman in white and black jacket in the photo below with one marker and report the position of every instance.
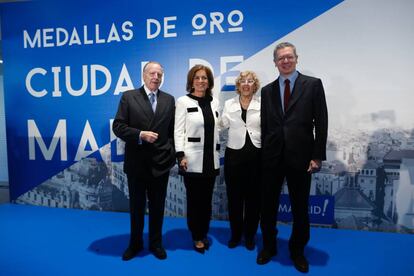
(241, 115)
(197, 145)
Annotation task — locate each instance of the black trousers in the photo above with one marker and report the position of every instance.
(298, 182)
(242, 175)
(141, 187)
(199, 191)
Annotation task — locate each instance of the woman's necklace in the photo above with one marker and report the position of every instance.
(244, 102)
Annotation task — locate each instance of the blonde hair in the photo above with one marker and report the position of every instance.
(245, 74)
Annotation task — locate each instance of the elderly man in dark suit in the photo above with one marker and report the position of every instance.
(145, 121)
(294, 123)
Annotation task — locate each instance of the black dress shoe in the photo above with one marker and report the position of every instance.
(300, 263)
(233, 243)
(159, 253)
(250, 244)
(131, 252)
(265, 256)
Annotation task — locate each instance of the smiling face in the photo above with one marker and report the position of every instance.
(247, 86)
(247, 83)
(153, 76)
(200, 82)
(285, 61)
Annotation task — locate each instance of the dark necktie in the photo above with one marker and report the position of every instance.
(286, 95)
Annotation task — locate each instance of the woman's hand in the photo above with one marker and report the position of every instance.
(183, 164)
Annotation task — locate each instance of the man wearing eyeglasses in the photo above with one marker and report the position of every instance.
(294, 123)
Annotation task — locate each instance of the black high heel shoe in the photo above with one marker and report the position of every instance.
(200, 250)
(250, 244)
(206, 243)
(232, 243)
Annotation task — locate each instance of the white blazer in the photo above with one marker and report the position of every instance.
(231, 119)
(189, 132)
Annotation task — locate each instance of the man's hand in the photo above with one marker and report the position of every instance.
(314, 166)
(148, 136)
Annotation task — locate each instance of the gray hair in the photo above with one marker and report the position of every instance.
(151, 62)
(283, 45)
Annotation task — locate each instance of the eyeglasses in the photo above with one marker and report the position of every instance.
(246, 81)
(288, 58)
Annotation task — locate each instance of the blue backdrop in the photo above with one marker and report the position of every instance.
(67, 62)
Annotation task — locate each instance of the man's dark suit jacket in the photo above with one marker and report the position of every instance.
(299, 135)
(135, 114)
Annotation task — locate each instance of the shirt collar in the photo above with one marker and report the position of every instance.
(254, 103)
(292, 78)
(149, 91)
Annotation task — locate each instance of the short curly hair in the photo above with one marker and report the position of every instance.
(244, 75)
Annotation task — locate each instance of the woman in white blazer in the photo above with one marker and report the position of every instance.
(197, 145)
(241, 115)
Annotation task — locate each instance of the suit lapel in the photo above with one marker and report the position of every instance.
(276, 97)
(161, 104)
(142, 100)
(296, 93)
